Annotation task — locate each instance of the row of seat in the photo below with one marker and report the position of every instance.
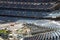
(23, 13)
(37, 29)
(45, 36)
(30, 0)
(30, 13)
(27, 6)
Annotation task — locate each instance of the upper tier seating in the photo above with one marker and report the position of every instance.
(31, 0)
(26, 5)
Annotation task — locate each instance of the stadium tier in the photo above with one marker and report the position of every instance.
(25, 19)
(32, 14)
(28, 8)
(31, 0)
(27, 5)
